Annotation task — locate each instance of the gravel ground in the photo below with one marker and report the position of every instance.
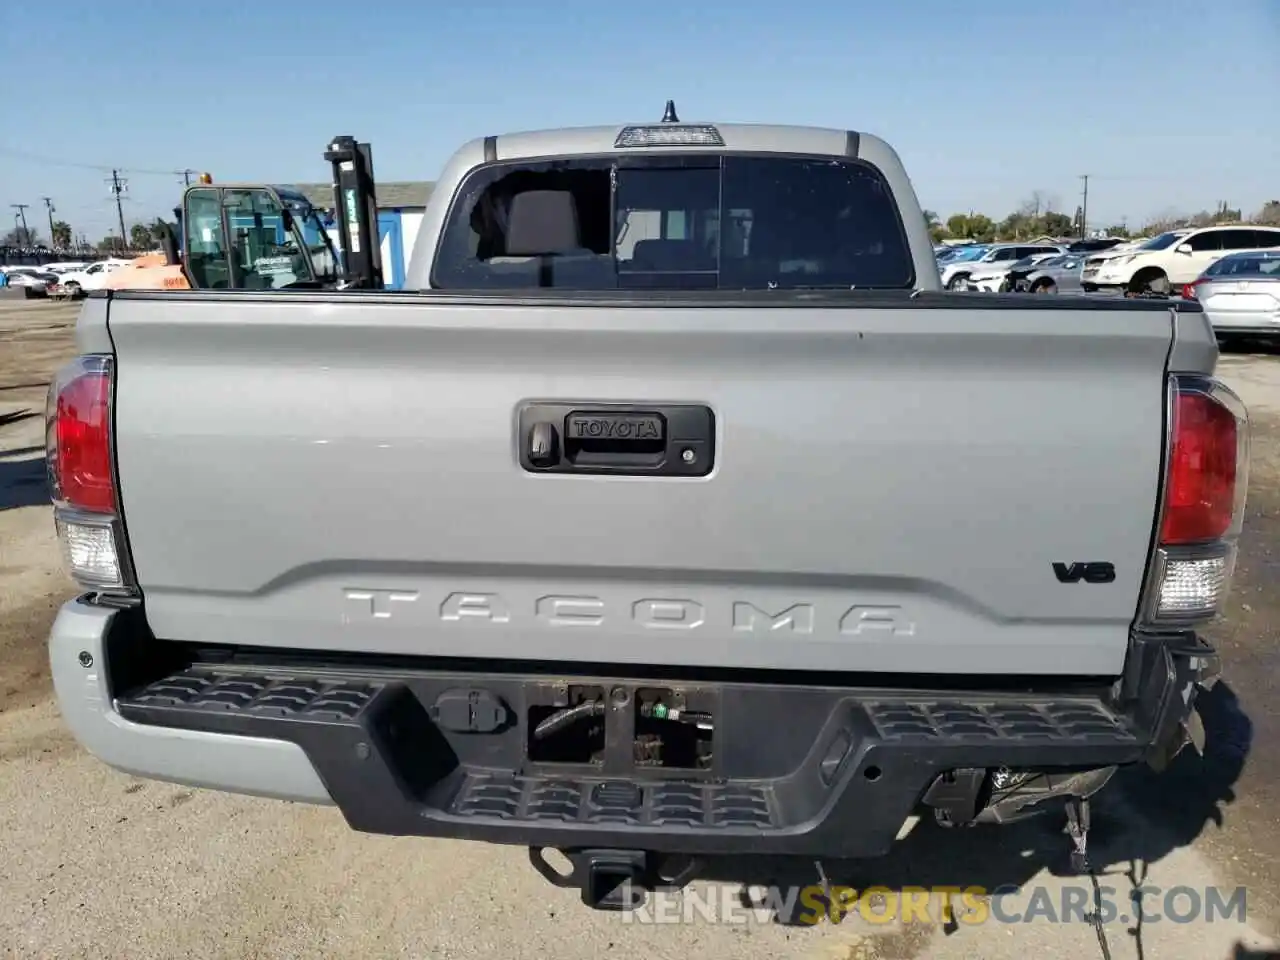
(99, 864)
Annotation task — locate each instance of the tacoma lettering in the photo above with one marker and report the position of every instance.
(797, 618)
(576, 611)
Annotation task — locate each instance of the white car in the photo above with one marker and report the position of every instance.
(990, 277)
(956, 273)
(91, 277)
(1166, 262)
(61, 268)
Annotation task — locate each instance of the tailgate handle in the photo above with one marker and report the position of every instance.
(654, 440)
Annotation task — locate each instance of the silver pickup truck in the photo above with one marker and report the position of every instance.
(673, 511)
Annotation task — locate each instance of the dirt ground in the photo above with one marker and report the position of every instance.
(94, 863)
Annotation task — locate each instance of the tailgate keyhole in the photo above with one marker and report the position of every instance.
(542, 445)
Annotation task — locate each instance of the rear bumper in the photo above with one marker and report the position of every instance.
(1261, 326)
(795, 768)
(252, 765)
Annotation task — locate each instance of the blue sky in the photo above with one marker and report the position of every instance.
(1169, 105)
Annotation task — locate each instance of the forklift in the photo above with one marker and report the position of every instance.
(269, 237)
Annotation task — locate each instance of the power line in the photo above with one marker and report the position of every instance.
(54, 161)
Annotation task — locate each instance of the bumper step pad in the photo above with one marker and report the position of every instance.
(815, 771)
(662, 804)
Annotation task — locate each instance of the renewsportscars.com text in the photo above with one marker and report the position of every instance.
(971, 906)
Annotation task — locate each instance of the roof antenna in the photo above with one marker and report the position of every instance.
(670, 115)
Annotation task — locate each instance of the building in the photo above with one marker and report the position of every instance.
(401, 205)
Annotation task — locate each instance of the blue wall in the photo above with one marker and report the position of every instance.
(391, 237)
(391, 234)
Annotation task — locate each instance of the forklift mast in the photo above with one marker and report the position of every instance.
(355, 208)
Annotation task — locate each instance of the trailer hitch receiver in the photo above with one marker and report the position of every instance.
(609, 879)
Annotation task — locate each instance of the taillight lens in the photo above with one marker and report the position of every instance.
(1189, 289)
(1200, 496)
(1206, 482)
(82, 484)
(78, 438)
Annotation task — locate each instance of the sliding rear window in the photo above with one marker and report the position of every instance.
(732, 222)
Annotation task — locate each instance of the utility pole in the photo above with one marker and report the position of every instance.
(48, 205)
(1084, 208)
(22, 215)
(118, 187)
(186, 177)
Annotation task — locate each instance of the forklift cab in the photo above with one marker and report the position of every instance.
(254, 237)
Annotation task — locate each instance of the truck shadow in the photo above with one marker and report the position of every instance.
(1250, 346)
(1137, 820)
(23, 483)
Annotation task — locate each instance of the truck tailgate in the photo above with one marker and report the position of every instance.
(892, 487)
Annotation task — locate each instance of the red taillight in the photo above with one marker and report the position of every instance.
(79, 440)
(1189, 289)
(1200, 498)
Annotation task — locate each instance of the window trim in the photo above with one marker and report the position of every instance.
(1205, 232)
(488, 172)
(1265, 233)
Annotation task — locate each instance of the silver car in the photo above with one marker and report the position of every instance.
(1240, 294)
(998, 277)
(1056, 275)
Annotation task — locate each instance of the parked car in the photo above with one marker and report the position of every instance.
(91, 277)
(995, 277)
(1164, 263)
(1094, 244)
(955, 273)
(1059, 274)
(1241, 294)
(565, 570)
(35, 279)
(64, 268)
(960, 253)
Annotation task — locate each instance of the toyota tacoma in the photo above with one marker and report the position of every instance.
(674, 510)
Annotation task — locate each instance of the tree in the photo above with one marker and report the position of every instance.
(18, 237)
(140, 237)
(1031, 207)
(972, 226)
(934, 225)
(1269, 215)
(1056, 224)
(61, 233)
(1017, 226)
(110, 243)
(982, 227)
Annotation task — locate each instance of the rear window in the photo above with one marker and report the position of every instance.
(733, 222)
(1237, 266)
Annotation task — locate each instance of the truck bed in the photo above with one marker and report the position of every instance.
(895, 477)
